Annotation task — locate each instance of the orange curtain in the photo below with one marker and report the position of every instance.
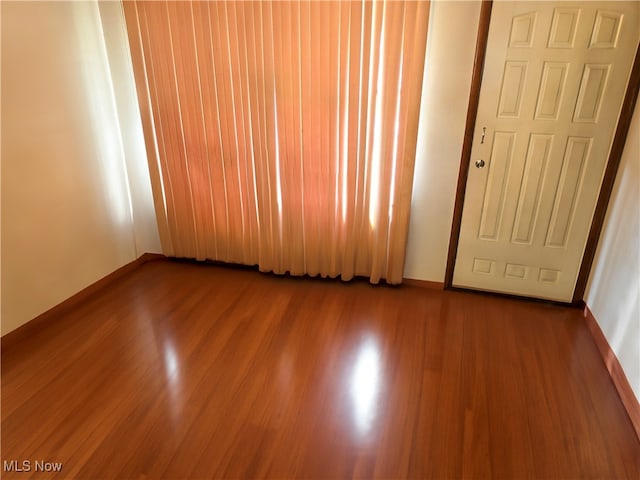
(282, 134)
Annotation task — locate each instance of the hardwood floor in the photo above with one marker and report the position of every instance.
(188, 371)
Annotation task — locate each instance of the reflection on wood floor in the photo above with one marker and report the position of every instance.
(182, 370)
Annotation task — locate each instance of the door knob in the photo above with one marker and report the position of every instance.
(479, 163)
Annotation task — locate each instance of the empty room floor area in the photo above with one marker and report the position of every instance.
(184, 370)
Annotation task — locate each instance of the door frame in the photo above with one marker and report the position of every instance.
(611, 169)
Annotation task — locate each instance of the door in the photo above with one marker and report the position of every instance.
(554, 80)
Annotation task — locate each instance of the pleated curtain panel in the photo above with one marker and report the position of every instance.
(282, 134)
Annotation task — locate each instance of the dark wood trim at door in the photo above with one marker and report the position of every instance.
(611, 170)
(472, 112)
(624, 121)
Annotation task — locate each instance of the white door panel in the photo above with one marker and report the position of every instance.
(554, 79)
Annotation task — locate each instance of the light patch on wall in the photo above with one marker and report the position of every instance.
(428, 102)
(156, 147)
(100, 95)
(628, 313)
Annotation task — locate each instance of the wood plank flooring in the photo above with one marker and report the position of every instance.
(181, 370)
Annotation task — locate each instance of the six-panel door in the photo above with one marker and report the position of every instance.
(554, 79)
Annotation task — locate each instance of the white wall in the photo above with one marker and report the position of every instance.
(66, 208)
(613, 294)
(451, 43)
